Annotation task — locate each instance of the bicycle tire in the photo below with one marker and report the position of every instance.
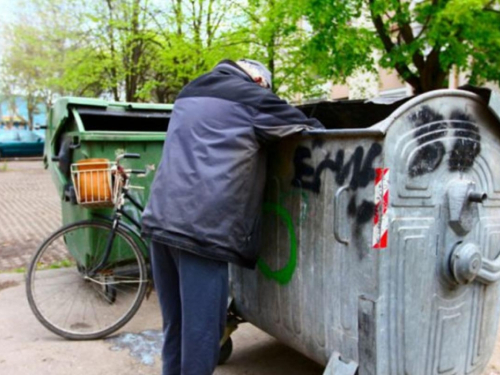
(75, 270)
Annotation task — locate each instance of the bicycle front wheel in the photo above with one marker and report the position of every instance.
(72, 300)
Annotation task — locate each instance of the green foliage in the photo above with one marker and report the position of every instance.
(421, 40)
(15, 270)
(276, 37)
(41, 51)
(192, 41)
(147, 50)
(337, 46)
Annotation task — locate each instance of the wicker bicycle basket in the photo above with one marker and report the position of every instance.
(94, 182)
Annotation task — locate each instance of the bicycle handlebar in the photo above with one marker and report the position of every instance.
(137, 171)
(126, 172)
(128, 156)
(131, 156)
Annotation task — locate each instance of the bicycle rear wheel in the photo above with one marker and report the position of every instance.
(75, 303)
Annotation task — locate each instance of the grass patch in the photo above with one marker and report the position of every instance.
(4, 167)
(15, 270)
(66, 263)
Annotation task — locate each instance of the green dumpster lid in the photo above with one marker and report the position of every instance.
(60, 109)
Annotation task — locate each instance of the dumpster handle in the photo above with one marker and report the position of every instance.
(337, 215)
(467, 264)
(490, 271)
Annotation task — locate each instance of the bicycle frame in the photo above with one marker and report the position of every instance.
(116, 221)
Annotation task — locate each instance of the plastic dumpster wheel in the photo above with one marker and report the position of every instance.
(225, 351)
(81, 305)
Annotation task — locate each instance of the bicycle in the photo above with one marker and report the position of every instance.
(109, 276)
(89, 278)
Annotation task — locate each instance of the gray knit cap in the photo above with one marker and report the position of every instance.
(261, 68)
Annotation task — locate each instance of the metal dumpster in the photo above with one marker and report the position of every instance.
(82, 128)
(381, 239)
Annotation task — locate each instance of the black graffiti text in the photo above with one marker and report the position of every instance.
(359, 167)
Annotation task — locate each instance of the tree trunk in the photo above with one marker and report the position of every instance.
(114, 75)
(271, 50)
(134, 52)
(30, 106)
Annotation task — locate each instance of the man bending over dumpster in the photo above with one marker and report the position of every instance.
(206, 200)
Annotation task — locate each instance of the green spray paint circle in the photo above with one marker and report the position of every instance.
(285, 274)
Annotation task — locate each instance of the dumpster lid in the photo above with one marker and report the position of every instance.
(357, 116)
(114, 120)
(350, 114)
(97, 112)
(61, 109)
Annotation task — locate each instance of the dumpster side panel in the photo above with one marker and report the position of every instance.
(318, 268)
(440, 318)
(150, 155)
(385, 251)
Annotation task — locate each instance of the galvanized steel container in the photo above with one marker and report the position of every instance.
(381, 244)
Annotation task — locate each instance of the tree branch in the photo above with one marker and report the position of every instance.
(209, 22)
(250, 14)
(406, 32)
(389, 46)
(487, 6)
(163, 33)
(424, 27)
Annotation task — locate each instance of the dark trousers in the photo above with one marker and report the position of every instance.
(193, 293)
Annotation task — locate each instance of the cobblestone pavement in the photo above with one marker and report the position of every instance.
(30, 210)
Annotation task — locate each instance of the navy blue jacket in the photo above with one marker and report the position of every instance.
(207, 194)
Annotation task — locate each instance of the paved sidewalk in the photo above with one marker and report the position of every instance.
(30, 210)
(27, 348)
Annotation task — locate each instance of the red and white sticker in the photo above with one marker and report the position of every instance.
(380, 220)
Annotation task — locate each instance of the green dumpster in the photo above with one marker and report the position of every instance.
(82, 128)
